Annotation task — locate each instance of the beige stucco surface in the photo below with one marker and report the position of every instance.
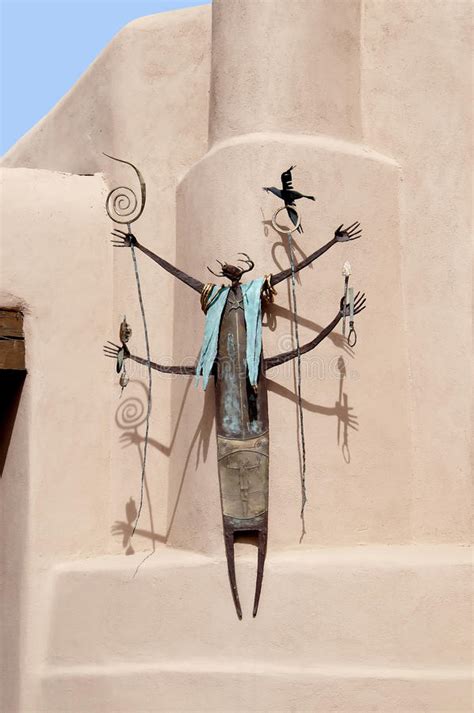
(372, 611)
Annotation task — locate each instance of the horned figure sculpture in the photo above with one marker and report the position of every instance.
(232, 354)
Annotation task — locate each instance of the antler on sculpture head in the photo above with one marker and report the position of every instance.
(234, 272)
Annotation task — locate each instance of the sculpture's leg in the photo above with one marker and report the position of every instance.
(229, 550)
(242, 443)
(255, 527)
(243, 478)
(262, 551)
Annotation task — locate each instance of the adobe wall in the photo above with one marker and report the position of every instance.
(369, 101)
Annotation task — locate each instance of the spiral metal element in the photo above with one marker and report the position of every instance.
(122, 207)
(122, 204)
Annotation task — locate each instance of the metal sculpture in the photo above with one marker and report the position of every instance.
(122, 207)
(242, 423)
(288, 195)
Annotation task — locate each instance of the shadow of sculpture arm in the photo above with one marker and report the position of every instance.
(359, 305)
(287, 356)
(125, 240)
(112, 350)
(341, 235)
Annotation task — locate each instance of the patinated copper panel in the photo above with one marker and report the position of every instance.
(241, 402)
(243, 475)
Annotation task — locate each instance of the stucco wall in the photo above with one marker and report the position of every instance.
(145, 100)
(56, 485)
(416, 89)
(373, 113)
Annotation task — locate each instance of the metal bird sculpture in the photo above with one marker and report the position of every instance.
(289, 196)
(242, 423)
(241, 400)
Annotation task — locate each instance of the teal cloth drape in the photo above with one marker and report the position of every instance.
(207, 356)
(253, 322)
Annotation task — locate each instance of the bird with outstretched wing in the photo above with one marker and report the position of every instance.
(288, 195)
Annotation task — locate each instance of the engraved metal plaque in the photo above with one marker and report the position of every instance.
(243, 475)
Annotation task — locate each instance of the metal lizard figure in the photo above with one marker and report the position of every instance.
(242, 434)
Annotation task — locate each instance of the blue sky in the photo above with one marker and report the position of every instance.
(47, 44)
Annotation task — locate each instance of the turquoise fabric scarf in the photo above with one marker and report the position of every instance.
(251, 292)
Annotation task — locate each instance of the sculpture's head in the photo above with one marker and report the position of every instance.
(232, 272)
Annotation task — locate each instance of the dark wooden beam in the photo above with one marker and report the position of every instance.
(12, 340)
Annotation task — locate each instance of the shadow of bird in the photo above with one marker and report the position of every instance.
(289, 196)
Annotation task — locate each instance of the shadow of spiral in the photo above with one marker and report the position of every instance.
(131, 413)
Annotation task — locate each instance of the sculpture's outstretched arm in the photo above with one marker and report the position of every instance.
(359, 305)
(183, 370)
(341, 235)
(125, 240)
(111, 350)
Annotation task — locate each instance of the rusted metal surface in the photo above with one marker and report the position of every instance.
(242, 440)
(111, 350)
(242, 423)
(359, 305)
(122, 239)
(243, 476)
(234, 272)
(341, 235)
(234, 527)
(241, 412)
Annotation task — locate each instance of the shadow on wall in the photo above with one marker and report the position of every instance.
(282, 242)
(131, 413)
(11, 386)
(130, 417)
(341, 409)
(273, 311)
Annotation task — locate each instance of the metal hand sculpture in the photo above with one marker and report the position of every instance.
(242, 423)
